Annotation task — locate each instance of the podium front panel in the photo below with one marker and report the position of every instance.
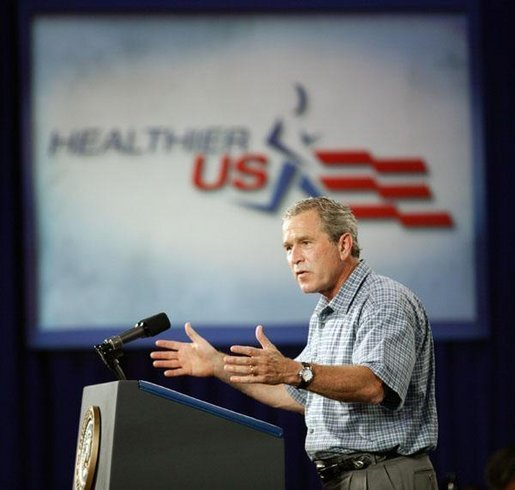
(155, 438)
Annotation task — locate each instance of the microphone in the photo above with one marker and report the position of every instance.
(110, 350)
(145, 328)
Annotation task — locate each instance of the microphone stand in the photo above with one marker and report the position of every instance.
(110, 356)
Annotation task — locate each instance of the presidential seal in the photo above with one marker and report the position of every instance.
(87, 449)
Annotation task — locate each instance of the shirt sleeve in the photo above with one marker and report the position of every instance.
(385, 343)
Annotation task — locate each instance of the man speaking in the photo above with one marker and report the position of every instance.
(365, 379)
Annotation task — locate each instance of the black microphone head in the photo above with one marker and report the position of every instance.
(155, 324)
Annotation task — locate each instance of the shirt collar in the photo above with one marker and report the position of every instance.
(343, 299)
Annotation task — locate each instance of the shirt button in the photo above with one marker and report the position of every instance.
(311, 431)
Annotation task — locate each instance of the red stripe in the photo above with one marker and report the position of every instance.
(410, 220)
(400, 165)
(344, 183)
(418, 191)
(439, 220)
(344, 157)
(361, 157)
(372, 211)
(405, 191)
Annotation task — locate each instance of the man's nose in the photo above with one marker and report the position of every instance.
(296, 255)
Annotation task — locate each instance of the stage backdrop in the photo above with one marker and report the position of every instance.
(162, 150)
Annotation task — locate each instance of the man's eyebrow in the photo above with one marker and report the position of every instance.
(297, 239)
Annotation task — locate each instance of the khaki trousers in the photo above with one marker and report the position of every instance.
(402, 473)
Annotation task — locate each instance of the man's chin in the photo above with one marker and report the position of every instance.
(307, 289)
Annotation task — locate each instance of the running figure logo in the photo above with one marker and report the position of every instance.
(355, 167)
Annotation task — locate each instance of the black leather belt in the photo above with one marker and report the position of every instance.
(329, 468)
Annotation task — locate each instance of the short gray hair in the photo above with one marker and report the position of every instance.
(337, 218)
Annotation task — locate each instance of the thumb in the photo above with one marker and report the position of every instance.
(263, 339)
(191, 333)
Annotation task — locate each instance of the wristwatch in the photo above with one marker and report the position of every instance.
(306, 375)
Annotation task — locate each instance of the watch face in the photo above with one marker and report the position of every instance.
(307, 374)
(87, 449)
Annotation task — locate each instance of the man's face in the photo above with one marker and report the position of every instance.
(317, 263)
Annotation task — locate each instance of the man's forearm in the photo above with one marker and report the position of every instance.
(273, 395)
(350, 383)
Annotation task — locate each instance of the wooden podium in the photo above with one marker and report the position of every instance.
(138, 435)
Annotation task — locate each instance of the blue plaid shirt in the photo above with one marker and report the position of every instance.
(376, 322)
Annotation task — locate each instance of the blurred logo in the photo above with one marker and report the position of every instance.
(376, 188)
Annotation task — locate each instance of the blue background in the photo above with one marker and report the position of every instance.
(41, 390)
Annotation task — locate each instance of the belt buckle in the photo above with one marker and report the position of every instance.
(326, 472)
(359, 463)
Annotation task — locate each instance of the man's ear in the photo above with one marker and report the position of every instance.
(345, 243)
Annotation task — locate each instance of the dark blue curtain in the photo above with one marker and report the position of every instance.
(41, 391)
